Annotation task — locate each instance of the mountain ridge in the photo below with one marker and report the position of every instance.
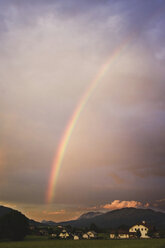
(118, 217)
(110, 219)
(89, 215)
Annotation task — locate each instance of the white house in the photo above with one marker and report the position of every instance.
(124, 234)
(120, 234)
(76, 237)
(92, 234)
(54, 235)
(85, 236)
(64, 234)
(89, 235)
(142, 228)
(112, 235)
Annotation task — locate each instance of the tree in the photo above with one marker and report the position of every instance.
(123, 227)
(13, 226)
(116, 233)
(152, 232)
(138, 234)
(69, 228)
(93, 227)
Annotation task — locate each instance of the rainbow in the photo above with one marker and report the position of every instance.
(73, 120)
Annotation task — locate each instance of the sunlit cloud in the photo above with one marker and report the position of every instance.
(116, 204)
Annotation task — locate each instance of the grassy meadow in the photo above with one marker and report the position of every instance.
(44, 243)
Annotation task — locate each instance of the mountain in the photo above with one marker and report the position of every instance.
(124, 216)
(34, 223)
(5, 210)
(111, 219)
(89, 215)
(49, 222)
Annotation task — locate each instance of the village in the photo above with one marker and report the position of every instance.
(138, 231)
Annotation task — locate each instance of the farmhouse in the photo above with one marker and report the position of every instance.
(54, 235)
(89, 235)
(64, 234)
(85, 236)
(112, 235)
(92, 234)
(119, 234)
(132, 232)
(76, 237)
(123, 234)
(142, 228)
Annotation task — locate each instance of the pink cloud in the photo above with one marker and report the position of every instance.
(116, 204)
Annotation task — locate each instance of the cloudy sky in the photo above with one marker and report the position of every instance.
(50, 52)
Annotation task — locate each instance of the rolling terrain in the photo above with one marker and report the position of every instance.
(111, 219)
(116, 218)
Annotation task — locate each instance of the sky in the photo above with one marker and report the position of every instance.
(50, 52)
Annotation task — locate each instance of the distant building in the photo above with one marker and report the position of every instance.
(76, 237)
(64, 234)
(131, 233)
(112, 235)
(54, 235)
(89, 235)
(119, 234)
(143, 228)
(92, 234)
(123, 234)
(85, 236)
(60, 227)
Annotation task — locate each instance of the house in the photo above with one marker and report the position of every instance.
(119, 234)
(143, 228)
(132, 232)
(85, 236)
(123, 234)
(76, 237)
(112, 235)
(92, 234)
(60, 227)
(54, 235)
(89, 235)
(64, 234)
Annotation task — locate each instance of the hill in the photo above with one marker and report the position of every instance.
(125, 216)
(4, 210)
(48, 223)
(111, 219)
(89, 215)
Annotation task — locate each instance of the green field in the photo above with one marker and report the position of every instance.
(154, 243)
